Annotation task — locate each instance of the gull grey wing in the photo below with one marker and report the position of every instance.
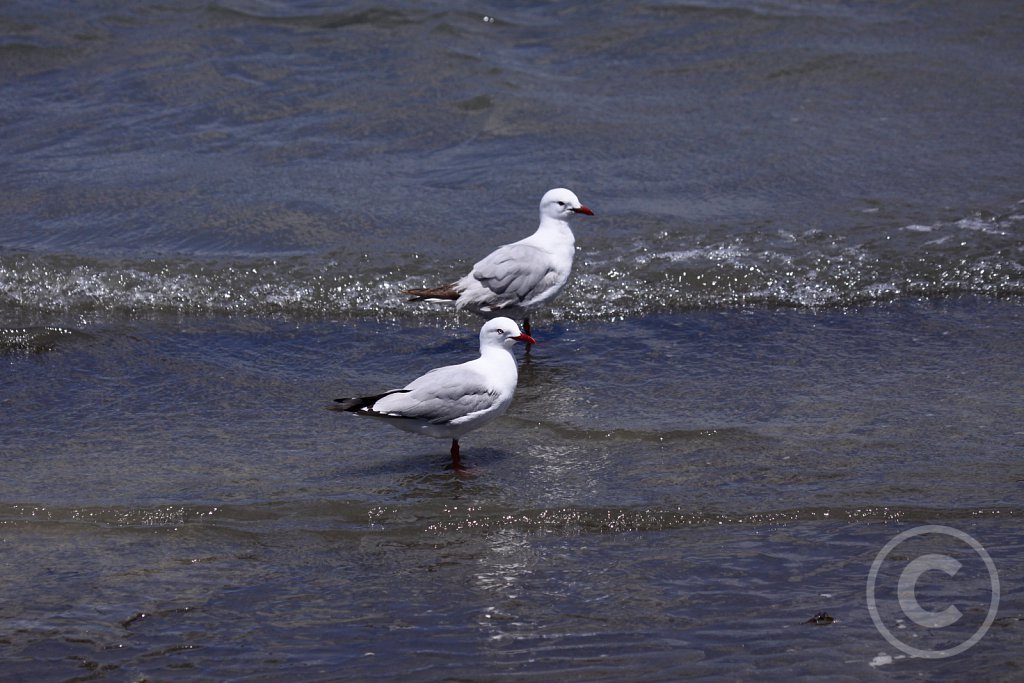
(441, 396)
(513, 271)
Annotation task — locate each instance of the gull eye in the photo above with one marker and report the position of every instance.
(500, 331)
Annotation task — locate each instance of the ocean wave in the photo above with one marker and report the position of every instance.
(981, 255)
(358, 516)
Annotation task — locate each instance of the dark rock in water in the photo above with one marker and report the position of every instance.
(35, 339)
(821, 619)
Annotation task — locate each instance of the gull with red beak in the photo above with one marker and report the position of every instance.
(452, 400)
(518, 278)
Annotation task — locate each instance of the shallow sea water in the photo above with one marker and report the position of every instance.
(683, 523)
(792, 333)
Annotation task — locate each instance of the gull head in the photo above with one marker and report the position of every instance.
(503, 332)
(561, 204)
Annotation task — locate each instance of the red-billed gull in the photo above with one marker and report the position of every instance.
(455, 399)
(518, 278)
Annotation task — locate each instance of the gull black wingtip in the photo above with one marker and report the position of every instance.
(442, 293)
(357, 403)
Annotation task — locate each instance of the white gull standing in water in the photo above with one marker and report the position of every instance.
(455, 399)
(520, 277)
